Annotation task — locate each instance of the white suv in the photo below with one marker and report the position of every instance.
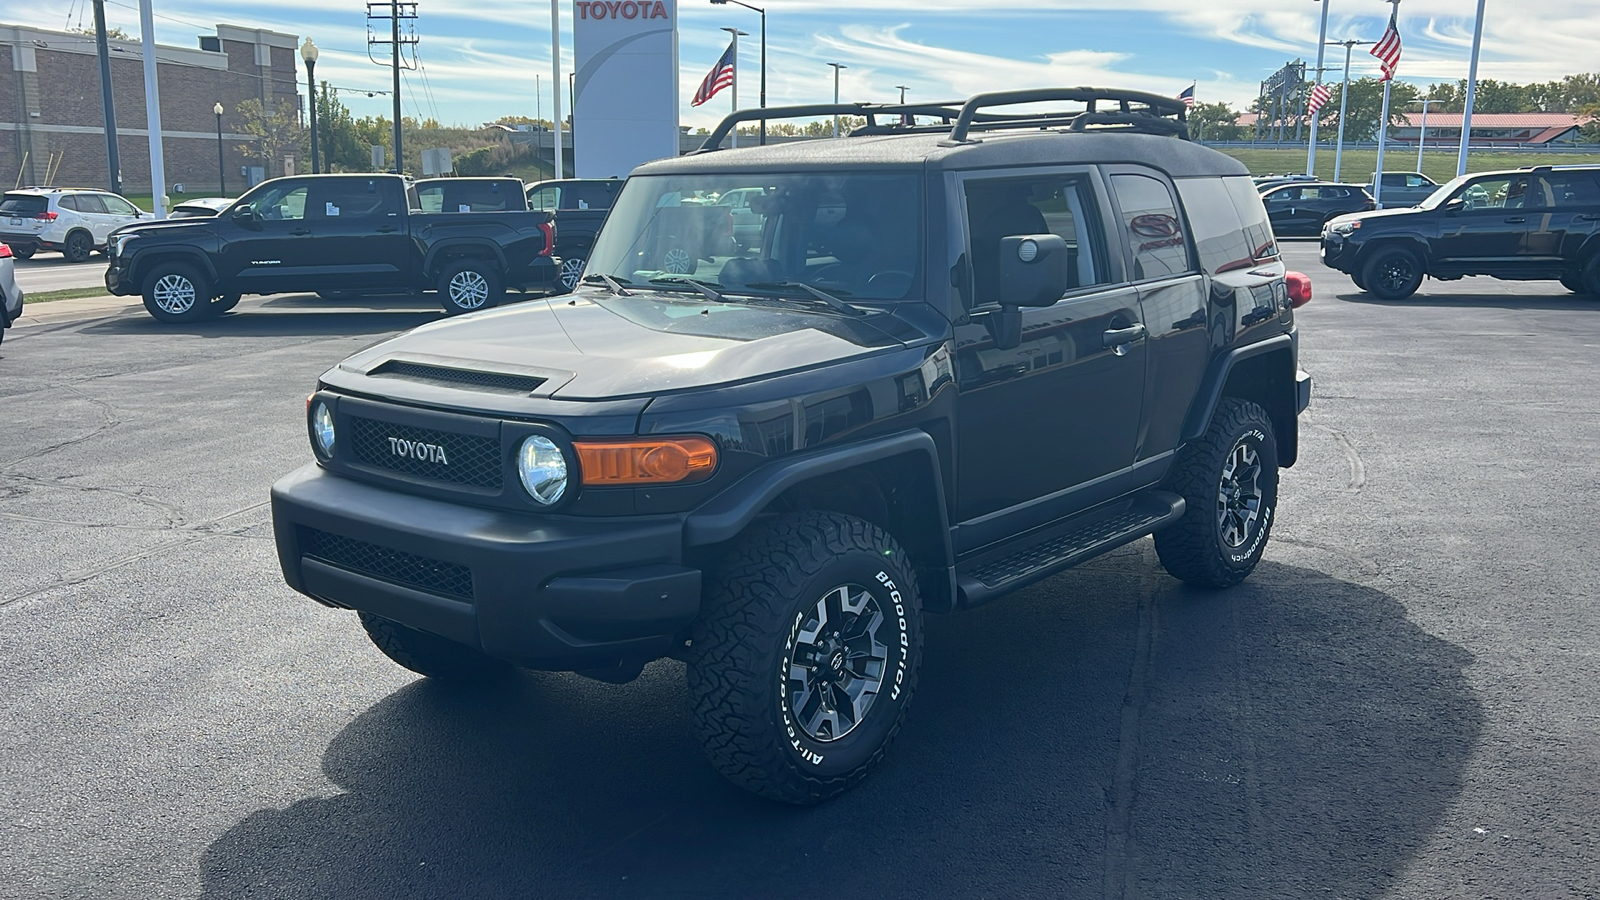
(71, 220)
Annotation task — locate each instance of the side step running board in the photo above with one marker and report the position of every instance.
(1065, 545)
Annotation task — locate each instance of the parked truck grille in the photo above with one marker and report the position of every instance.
(408, 570)
(425, 453)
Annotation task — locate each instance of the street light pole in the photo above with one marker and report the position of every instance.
(308, 52)
(763, 12)
(222, 169)
(1322, 46)
(1344, 104)
(735, 86)
(836, 68)
(1472, 93)
(1422, 138)
(903, 90)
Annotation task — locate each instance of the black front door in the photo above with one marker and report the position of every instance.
(362, 239)
(1491, 227)
(1061, 410)
(264, 239)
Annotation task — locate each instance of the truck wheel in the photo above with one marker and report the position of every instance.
(23, 251)
(804, 659)
(1392, 273)
(78, 246)
(431, 655)
(571, 272)
(1229, 479)
(224, 303)
(470, 285)
(174, 292)
(1360, 283)
(1591, 275)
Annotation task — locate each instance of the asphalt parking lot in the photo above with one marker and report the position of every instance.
(1401, 702)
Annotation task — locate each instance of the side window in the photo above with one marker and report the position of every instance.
(1219, 235)
(590, 196)
(1502, 192)
(281, 201)
(1280, 196)
(351, 198)
(1415, 181)
(1573, 189)
(1334, 193)
(1050, 204)
(1257, 229)
(1154, 231)
(431, 198)
(545, 198)
(117, 206)
(89, 203)
(69, 202)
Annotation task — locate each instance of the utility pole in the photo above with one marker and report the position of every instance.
(396, 12)
(1344, 103)
(1422, 136)
(113, 163)
(1322, 46)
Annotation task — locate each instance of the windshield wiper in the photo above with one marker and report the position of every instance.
(613, 284)
(700, 286)
(832, 301)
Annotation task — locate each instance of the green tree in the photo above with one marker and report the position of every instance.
(1214, 122)
(340, 142)
(113, 33)
(275, 132)
(1366, 107)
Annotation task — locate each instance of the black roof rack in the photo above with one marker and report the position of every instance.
(1104, 109)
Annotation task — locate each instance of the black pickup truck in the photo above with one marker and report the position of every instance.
(580, 206)
(330, 233)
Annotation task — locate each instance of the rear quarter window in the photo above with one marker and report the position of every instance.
(1220, 236)
(1252, 216)
(1154, 231)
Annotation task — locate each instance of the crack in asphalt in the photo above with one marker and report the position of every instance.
(1358, 469)
(109, 422)
(1124, 785)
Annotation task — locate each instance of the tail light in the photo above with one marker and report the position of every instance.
(5, 252)
(1299, 289)
(47, 216)
(549, 229)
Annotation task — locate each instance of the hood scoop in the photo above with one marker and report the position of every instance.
(466, 379)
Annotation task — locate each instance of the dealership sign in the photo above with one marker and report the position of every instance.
(626, 88)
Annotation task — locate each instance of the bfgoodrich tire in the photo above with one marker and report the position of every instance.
(1392, 273)
(1229, 481)
(804, 660)
(470, 285)
(175, 293)
(431, 655)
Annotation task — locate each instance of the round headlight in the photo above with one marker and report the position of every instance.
(322, 428)
(543, 469)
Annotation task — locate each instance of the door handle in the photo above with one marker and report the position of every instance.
(388, 229)
(1116, 337)
(300, 231)
(1516, 218)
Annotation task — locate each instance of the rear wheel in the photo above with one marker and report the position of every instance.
(571, 272)
(174, 292)
(23, 251)
(78, 246)
(1591, 275)
(470, 285)
(1392, 273)
(431, 655)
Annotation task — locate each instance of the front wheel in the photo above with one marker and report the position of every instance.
(1392, 273)
(23, 251)
(431, 655)
(225, 303)
(1590, 276)
(175, 293)
(470, 285)
(803, 662)
(1228, 479)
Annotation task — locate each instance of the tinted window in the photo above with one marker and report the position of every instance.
(118, 206)
(545, 198)
(496, 195)
(1499, 192)
(595, 195)
(1053, 204)
(1333, 193)
(1154, 231)
(1257, 229)
(277, 201)
(1218, 233)
(88, 203)
(350, 198)
(1573, 189)
(23, 204)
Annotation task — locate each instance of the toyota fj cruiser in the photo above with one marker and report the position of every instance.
(967, 349)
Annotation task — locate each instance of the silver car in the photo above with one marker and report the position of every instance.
(10, 293)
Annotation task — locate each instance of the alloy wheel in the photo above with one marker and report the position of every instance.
(836, 661)
(1239, 496)
(571, 272)
(175, 294)
(678, 262)
(469, 289)
(1396, 273)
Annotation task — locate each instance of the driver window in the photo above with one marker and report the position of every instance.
(1049, 204)
(285, 201)
(1504, 192)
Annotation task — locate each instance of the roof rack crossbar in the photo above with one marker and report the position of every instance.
(946, 110)
(1157, 106)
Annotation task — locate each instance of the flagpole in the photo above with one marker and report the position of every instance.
(1383, 121)
(1472, 93)
(555, 84)
(734, 135)
(1322, 45)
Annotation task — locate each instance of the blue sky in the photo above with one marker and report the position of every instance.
(480, 57)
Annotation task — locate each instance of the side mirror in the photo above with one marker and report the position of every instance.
(1456, 205)
(1035, 269)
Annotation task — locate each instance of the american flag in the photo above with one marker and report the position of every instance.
(1187, 96)
(720, 76)
(1387, 49)
(1320, 95)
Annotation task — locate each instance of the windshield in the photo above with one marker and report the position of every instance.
(852, 234)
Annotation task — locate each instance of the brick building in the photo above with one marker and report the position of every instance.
(51, 114)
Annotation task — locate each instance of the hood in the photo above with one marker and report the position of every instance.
(194, 225)
(1376, 214)
(597, 346)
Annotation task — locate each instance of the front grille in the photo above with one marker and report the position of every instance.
(466, 459)
(430, 575)
(497, 382)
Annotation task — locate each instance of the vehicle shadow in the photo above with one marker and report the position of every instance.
(321, 323)
(1563, 301)
(1108, 729)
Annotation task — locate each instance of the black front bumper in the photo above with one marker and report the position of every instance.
(543, 592)
(118, 279)
(1337, 252)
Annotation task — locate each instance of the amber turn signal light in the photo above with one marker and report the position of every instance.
(654, 461)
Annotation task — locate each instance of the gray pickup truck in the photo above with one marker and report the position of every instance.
(1402, 189)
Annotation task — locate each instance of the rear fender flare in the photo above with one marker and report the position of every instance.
(433, 263)
(1282, 408)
